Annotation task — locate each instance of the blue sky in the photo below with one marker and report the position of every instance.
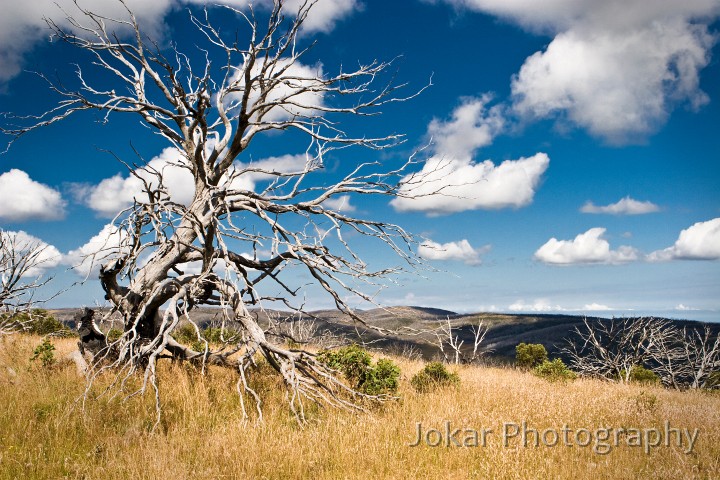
(588, 131)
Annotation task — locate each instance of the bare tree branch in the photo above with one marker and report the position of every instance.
(687, 357)
(611, 348)
(21, 263)
(450, 344)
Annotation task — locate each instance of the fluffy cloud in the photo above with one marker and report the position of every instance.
(326, 14)
(323, 16)
(195, 268)
(614, 67)
(461, 251)
(451, 181)
(586, 248)
(47, 257)
(116, 193)
(700, 241)
(22, 25)
(267, 168)
(625, 206)
(104, 246)
(299, 92)
(453, 185)
(472, 126)
(22, 198)
(340, 204)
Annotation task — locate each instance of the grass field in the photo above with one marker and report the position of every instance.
(44, 432)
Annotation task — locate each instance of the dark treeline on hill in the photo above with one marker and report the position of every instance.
(505, 331)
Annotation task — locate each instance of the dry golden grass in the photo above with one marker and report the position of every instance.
(44, 435)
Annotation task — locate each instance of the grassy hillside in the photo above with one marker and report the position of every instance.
(45, 434)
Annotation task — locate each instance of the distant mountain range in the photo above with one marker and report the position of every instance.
(505, 331)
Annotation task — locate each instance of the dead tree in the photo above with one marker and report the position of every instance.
(667, 357)
(301, 330)
(688, 358)
(20, 277)
(450, 344)
(610, 349)
(210, 112)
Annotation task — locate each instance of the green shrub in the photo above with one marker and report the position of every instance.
(39, 321)
(45, 353)
(640, 374)
(530, 355)
(218, 335)
(381, 378)
(113, 335)
(357, 367)
(353, 361)
(713, 380)
(434, 375)
(554, 370)
(187, 335)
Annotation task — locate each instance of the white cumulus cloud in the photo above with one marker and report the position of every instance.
(701, 241)
(472, 126)
(299, 90)
(340, 203)
(624, 206)
(118, 192)
(451, 185)
(104, 246)
(112, 195)
(586, 248)
(22, 198)
(325, 14)
(460, 251)
(452, 181)
(614, 67)
(22, 25)
(47, 255)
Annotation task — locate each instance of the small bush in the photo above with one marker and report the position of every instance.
(39, 321)
(353, 361)
(382, 378)
(45, 353)
(713, 380)
(113, 335)
(640, 374)
(530, 355)
(357, 367)
(217, 335)
(434, 375)
(187, 335)
(554, 370)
